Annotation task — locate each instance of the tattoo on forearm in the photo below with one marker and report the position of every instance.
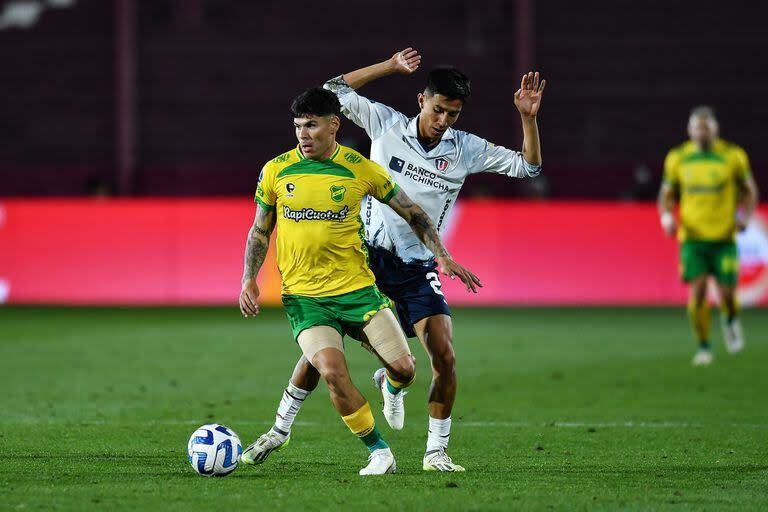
(425, 230)
(420, 223)
(255, 252)
(403, 201)
(261, 231)
(258, 243)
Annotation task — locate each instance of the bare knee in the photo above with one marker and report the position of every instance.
(403, 370)
(699, 289)
(443, 359)
(335, 375)
(727, 293)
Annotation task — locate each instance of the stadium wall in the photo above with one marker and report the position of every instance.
(189, 251)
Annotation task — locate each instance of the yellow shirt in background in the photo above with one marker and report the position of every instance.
(708, 184)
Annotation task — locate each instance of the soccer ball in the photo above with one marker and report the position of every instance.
(214, 450)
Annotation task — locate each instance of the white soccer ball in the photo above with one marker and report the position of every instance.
(214, 450)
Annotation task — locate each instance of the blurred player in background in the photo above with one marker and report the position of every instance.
(314, 193)
(712, 181)
(430, 160)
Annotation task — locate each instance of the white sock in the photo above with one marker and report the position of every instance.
(290, 404)
(439, 434)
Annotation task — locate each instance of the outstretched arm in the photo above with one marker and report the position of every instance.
(422, 225)
(404, 62)
(528, 102)
(255, 251)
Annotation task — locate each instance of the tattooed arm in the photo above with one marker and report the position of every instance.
(255, 252)
(422, 225)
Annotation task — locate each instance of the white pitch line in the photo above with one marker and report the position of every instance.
(602, 424)
(456, 423)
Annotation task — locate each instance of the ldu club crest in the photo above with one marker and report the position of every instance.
(337, 193)
(441, 164)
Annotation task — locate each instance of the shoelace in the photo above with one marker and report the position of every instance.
(441, 456)
(267, 438)
(372, 455)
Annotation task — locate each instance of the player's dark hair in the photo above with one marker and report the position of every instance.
(450, 82)
(316, 102)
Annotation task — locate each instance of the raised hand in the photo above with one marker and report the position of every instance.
(406, 61)
(528, 96)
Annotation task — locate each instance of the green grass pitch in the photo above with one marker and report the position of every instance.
(558, 409)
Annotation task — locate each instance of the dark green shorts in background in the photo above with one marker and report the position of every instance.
(347, 313)
(719, 259)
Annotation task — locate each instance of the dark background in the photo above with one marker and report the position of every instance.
(179, 98)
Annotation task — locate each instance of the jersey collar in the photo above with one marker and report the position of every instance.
(302, 157)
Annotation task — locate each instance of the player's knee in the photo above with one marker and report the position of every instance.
(334, 376)
(403, 370)
(727, 293)
(444, 360)
(699, 290)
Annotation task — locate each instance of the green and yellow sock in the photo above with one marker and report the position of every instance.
(362, 425)
(700, 319)
(394, 386)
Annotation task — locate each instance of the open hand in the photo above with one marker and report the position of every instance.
(248, 297)
(406, 61)
(528, 96)
(450, 268)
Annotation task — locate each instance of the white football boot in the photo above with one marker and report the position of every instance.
(380, 462)
(702, 358)
(438, 460)
(394, 410)
(264, 446)
(734, 338)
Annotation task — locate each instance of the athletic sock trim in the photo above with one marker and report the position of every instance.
(279, 431)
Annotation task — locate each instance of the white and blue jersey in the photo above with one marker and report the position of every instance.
(405, 269)
(431, 178)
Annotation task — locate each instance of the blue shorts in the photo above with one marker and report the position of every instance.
(414, 287)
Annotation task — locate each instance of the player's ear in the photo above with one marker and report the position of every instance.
(335, 124)
(421, 99)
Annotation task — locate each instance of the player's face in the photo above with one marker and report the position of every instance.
(437, 114)
(702, 130)
(317, 135)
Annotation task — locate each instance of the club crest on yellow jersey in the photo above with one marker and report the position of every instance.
(337, 193)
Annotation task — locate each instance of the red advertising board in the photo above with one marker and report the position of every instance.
(190, 251)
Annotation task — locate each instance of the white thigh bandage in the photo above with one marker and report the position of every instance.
(315, 339)
(386, 337)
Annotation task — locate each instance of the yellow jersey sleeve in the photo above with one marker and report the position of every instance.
(671, 169)
(265, 188)
(379, 182)
(743, 169)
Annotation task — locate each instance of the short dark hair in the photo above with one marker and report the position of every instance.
(450, 82)
(316, 102)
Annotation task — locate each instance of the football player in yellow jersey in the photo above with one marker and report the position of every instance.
(712, 181)
(313, 194)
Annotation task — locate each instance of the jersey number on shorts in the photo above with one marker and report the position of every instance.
(434, 281)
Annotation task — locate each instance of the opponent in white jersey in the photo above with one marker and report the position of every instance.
(433, 174)
(430, 160)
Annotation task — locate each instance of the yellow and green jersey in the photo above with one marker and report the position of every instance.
(320, 235)
(708, 185)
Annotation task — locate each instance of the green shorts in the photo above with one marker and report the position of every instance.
(718, 259)
(347, 313)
